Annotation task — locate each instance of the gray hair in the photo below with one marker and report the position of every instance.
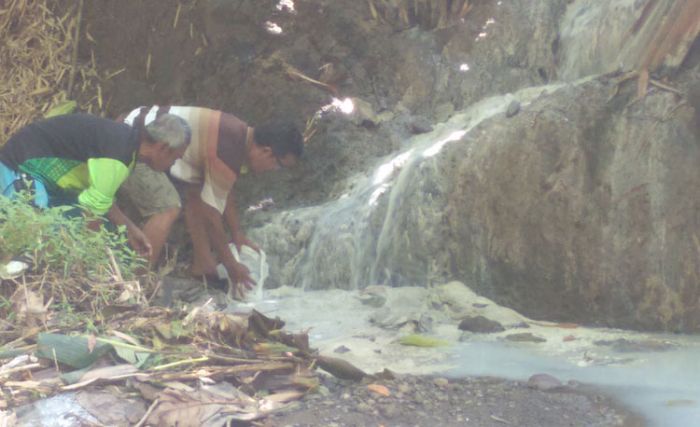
(171, 129)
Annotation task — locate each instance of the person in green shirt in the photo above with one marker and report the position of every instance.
(82, 160)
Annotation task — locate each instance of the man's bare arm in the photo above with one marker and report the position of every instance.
(217, 236)
(137, 239)
(231, 215)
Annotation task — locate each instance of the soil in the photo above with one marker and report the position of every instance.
(434, 401)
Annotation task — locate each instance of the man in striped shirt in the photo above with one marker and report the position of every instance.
(222, 148)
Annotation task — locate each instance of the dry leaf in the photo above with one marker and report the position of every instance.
(204, 408)
(379, 389)
(91, 342)
(29, 307)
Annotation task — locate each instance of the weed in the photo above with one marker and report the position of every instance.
(62, 243)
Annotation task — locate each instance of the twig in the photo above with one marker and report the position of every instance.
(142, 421)
(665, 87)
(74, 55)
(20, 369)
(179, 363)
(159, 283)
(115, 266)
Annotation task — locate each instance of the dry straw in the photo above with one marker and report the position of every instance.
(36, 62)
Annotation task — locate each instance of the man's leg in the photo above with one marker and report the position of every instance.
(155, 198)
(157, 229)
(203, 261)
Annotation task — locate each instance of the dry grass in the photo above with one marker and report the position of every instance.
(35, 62)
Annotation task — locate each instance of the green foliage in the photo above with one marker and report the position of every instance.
(61, 243)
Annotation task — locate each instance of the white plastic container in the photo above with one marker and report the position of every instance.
(257, 265)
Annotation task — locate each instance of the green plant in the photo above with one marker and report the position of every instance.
(63, 243)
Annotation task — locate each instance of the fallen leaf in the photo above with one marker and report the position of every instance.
(379, 389)
(91, 342)
(109, 372)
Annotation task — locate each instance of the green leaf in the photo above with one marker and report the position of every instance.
(417, 340)
(70, 350)
(65, 107)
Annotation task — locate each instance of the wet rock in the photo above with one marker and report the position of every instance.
(480, 324)
(364, 114)
(420, 125)
(525, 337)
(544, 382)
(374, 296)
(444, 111)
(513, 108)
(341, 349)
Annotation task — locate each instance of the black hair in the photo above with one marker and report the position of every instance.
(282, 137)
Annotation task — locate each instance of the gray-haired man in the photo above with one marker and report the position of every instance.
(83, 159)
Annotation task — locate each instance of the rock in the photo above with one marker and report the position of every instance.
(544, 382)
(459, 301)
(420, 125)
(374, 296)
(341, 349)
(444, 111)
(480, 324)
(363, 114)
(525, 337)
(441, 382)
(513, 108)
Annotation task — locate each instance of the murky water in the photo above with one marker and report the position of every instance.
(663, 386)
(654, 375)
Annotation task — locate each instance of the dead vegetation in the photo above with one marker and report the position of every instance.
(200, 365)
(37, 62)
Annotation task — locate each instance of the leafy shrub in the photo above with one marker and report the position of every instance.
(61, 243)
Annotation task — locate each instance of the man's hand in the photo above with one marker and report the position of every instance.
(139, 242)
(240, 277)
(240, 240)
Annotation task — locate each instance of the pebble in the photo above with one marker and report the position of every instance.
(513, 108)
(441, 382)
(544, 382)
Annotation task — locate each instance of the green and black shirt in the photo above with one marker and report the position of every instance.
(75, 155)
